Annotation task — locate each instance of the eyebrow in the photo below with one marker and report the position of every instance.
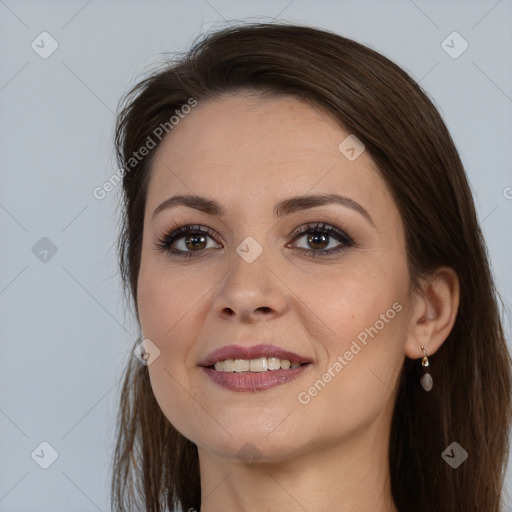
(281, 209)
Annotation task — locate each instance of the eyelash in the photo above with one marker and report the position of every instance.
(164, 244)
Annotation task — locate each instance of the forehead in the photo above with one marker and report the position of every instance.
(246, 150)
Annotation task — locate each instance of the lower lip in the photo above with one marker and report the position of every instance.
(253, 381)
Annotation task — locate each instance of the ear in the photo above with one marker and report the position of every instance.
(433, 314)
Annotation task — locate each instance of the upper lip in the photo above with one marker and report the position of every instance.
(251, 352)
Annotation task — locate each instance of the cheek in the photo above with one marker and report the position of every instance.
(167, 312)
(164, 300)
(365, 313)
(167, 308)
(352, 299)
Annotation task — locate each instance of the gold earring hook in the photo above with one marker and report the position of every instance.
(424, 361)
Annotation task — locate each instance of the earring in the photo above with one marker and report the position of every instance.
(426, 381)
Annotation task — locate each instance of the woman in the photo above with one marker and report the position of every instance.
(319, 324)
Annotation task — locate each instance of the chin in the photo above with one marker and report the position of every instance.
(255, 451)
(252, 442)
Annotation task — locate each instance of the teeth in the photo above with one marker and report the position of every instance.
(262, 364)
(258, 365)
(273, 363)
(285, 364)
(242, 365)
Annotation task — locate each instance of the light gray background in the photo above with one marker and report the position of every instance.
(65, 332)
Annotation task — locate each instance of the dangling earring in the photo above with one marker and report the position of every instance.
(426, 381)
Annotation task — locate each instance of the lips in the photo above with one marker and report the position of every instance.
(251, 352)
(252, 382)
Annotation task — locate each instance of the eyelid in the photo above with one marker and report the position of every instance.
(322, 227)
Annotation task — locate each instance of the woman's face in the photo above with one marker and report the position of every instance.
(252, 279)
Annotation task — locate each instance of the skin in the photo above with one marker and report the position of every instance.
(248, 153)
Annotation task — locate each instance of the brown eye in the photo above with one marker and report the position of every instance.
(195, 241)
(318, 237)
(187, 240)
(318, 240)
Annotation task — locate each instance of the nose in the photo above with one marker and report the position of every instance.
(251, 292)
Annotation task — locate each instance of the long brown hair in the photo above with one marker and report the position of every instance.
(154, 466)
